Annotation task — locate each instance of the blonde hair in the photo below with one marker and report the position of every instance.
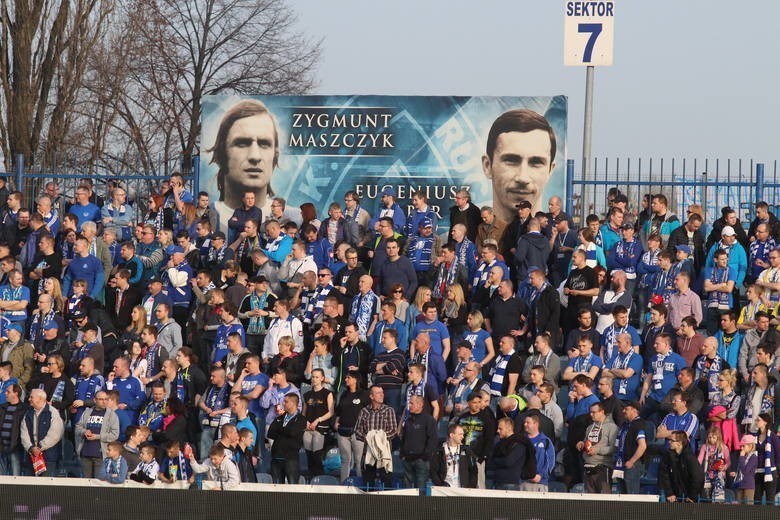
(419, 296)
(719, 444)
(730, 375)
(457, 293)
(55, 293)
(138, 325)
(478, 318)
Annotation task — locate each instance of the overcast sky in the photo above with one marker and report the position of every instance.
(691, 78)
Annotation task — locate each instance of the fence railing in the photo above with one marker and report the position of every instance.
(712, 183)
(32, 183)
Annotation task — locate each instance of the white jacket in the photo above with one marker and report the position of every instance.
(378, 452)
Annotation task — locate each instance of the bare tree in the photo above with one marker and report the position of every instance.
(44, 46)
(203, 47)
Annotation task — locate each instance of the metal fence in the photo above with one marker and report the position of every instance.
(31, 182)
(712, 183)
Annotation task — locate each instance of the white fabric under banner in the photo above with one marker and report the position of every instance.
(437, 491)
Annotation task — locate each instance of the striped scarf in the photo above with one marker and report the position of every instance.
(316, 303)
(498, 372)
(363, 306)
(446, 276)
(257, 323)
(769, 458)
(719, 299)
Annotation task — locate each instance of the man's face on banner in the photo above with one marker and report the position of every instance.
(250, 152)
(520, 168)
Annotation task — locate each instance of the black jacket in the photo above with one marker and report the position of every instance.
(508, 460)
(288, 440)
(470, 218)
(17, 421)
(418, 437)
(679, 237)
(467, 467)
(680, 475)
(547, 315)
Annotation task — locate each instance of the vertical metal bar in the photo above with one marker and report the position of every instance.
(759, 181)
(569, 180)
(19, 172)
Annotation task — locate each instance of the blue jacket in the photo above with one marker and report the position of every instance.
(737, 259)
(399, 220)
(730, 352)
(322, 252)
(544, 449)
(113, 471)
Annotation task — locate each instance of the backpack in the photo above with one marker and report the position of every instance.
(529, 466)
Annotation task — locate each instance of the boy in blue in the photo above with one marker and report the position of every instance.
(626, 369)
(175, 465)
(229, 325)
(114, 468)
(440, 336)
(660, 375)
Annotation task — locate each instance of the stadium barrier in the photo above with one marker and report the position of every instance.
(82, 500)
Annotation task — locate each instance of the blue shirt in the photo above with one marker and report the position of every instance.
(664, 370)
(478, 342)
(627, 389)
(437, 332)
(249, 384)
(85, 213)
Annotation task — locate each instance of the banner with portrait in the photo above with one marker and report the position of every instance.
(328, 145)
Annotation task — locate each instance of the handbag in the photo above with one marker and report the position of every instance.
(38, 463)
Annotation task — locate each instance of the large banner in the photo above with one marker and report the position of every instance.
(316, 148)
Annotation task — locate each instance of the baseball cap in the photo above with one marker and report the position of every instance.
(627, 226)
(524, 204)
(728, 231)
(426, 223)
(685, 248)
(748, 439)
(388, 190)
(17, 328)
(155, 279)
(49, 325)
(218, 234)
(558, 219)
(620, 198)
(172, 249)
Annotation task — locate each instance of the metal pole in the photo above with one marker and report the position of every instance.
(570, 187)
(19, 171)
(760, 181)
(586, 138)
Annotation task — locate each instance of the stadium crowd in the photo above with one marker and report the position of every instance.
(508, 354)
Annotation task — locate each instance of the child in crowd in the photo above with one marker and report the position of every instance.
(713, 457)
(114, 469)
(175, 465)
(243, 456)
(745, 476)
(148, 468)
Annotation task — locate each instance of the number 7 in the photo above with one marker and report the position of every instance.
(594, 29)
